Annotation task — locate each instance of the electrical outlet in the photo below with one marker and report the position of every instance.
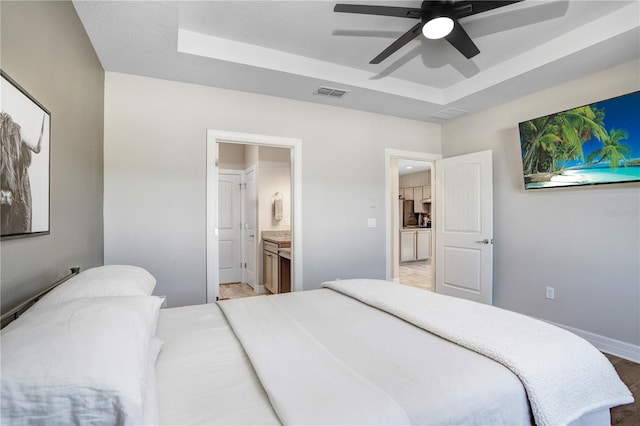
(550, 293)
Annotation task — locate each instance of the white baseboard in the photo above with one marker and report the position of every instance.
(606, 344)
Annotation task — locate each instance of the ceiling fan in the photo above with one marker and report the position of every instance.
(438, 19)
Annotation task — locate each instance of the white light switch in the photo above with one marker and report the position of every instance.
(371, 222)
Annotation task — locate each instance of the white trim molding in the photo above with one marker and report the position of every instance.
(605, 344)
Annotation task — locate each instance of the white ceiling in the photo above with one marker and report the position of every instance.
(408, 167)
(290, 48)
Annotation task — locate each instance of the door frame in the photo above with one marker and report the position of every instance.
(391, 225)
(213, 138)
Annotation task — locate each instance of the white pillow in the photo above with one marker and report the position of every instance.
(150, 409)
(102, 281)
(80, 362)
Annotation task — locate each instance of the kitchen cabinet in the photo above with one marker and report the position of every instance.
(276, 262)
(423, 206)
(408, 193)
(407, 246)
(423, 244)
(417, 197)
(417, 194)
(270, 264)
(415, 244)
(284, 271)
(426, 192)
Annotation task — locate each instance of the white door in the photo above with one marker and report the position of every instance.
(464, 226)
(229, 230)
(250, 237)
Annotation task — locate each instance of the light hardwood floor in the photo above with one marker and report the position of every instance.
(414, 274)
(417, 274)
(236, 290)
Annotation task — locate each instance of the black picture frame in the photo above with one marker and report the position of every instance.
(25, 138)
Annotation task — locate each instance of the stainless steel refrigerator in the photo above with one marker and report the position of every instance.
(409, 218)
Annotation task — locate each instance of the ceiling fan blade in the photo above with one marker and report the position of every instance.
(461, 41)
(404, 39)
(401, 12)
(468, 8)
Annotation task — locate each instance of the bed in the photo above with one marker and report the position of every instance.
(101, 351)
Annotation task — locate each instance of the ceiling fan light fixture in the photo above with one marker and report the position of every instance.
(438, 27)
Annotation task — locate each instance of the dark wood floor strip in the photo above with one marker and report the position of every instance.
(629, 372)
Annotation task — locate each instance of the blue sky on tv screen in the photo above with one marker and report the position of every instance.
(620, 113)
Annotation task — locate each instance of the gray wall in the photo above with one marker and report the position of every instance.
(155, 176)
(565, 238)
(46, 50)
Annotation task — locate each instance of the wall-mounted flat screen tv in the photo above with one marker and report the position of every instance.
(592, 144)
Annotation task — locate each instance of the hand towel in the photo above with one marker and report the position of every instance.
(277, 209)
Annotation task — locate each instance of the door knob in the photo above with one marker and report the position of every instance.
(485, 241)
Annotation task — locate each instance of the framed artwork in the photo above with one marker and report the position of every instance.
(592, 144)
(25, 132)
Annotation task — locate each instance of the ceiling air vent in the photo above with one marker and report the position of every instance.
(328, 91)
(448, 114)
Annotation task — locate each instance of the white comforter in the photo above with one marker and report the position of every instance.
(203, 375)
(306, 383)
(324, 358)
(564, 375)
(328, 359)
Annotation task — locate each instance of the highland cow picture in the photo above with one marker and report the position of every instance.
(24, 167)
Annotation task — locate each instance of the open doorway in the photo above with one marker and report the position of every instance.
(254, 206)
(410, 213)
(218, 260)
(462, 247)
(415, 223)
